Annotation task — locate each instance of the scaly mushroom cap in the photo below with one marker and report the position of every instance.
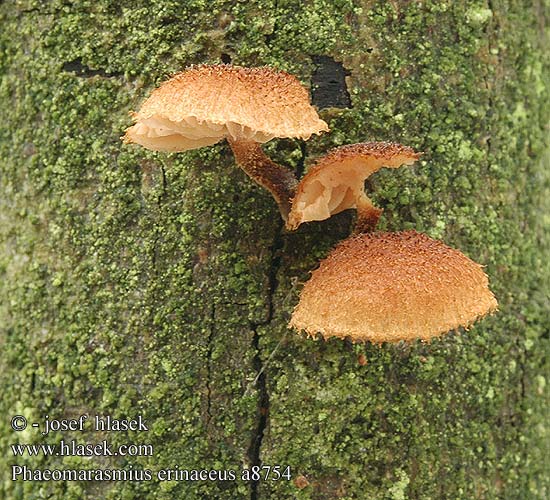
(203, 104)
(336, 181)
(386, 287)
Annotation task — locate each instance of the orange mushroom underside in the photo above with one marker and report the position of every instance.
(336, 182)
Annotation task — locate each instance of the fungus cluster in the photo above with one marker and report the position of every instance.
(373, 286)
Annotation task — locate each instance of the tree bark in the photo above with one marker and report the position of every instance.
(137, 283)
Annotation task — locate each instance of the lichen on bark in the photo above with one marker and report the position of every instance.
(160, 284)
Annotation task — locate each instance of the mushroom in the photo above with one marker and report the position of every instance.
(337, 182)
(248, 106)
(387, 287)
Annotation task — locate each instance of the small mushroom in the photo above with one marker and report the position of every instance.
(337, 182)
(387, 287)
(205, 104)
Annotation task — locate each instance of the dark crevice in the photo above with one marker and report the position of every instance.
(33, 10)
(210, 349)
(328, 83)
(154, 253)
(490, 103)
(523, 370)
(263, 410)
(169, 20)
(232, 303)
(254, 451)
(270, 36)
(259, 365)
(160, 198)
(77, 67)
(163, 185)
(225, 58)
(301, 167)
(276, 250)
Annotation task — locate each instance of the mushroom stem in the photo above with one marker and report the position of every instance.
(367, 215)
(278, 180)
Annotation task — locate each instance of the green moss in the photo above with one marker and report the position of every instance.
(132, 282)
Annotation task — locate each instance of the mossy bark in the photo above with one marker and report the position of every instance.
(135, 283)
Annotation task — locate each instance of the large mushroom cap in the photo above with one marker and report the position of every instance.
(203, 104)
(336, 181)
(386, 287)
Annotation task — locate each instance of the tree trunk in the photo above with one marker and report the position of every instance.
(160, 285)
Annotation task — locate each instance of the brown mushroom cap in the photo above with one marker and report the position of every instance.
(203, 104)
(336, 181)
(386, 287)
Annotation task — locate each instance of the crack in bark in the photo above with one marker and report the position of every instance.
(163, 185)
(209, 352)
(160, 198)
(492, 25)
(263, 410)
(523, 368)
(270, 36)
(259, 365)
(78, 68)
(261, 382)
(300, 169)
(254, 450)
(32, 10)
